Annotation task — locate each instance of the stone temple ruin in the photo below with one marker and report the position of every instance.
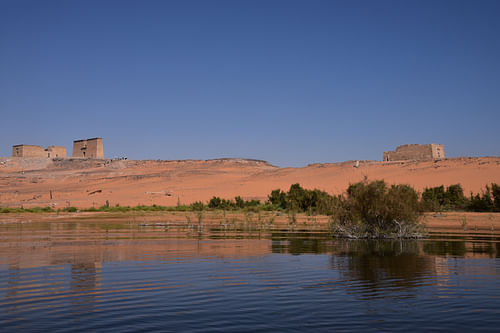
(89, 148)
(38, 151)
(416, 152)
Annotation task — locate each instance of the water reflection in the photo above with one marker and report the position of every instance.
(85, 280)
(14, 284)
(120, 277)
(462, 248)
(382, 266)
(296, 245)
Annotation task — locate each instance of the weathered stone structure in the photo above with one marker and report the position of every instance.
(88, 148)
(416, 152)
(27, 151)
(38, 151)
(56, 151)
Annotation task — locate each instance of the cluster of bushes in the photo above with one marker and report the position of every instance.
(298, 199)
(236, 204)
(317, 202)
(367, 209)
(452, 198)
(313, 202)
(440, 198)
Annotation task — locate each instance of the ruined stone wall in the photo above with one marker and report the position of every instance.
(56, 151)
(437, 151)
(90, 148)
(415, 152)
(28, 151)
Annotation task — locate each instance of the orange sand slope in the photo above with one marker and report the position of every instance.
(84, 182)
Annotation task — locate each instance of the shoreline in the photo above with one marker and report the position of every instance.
(440, 222)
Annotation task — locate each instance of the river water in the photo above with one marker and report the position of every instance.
(98, 277)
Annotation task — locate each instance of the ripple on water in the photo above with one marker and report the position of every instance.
(62, 282)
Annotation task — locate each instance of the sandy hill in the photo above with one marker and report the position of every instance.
(86, 182)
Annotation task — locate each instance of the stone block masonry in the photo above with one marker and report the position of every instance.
(416, 152)
(38, 151)
(88, 148)
(56, 151)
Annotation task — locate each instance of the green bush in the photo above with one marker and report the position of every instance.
(372, 210)
(302, 200)
(277, 198)
(197, 206)
(495, 192)
(487, 201)
(455, 197)
(39, 210)
(482, 202)
(69, 209)
(238, 203)
(439, 199)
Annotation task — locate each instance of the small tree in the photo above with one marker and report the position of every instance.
(455, 197)
(295, 197)
(215, 202)
(482, 202)
(433, 198)
(278, 199)
(495, 192)
(240, 203)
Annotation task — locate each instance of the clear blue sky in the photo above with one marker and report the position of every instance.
(290, 82)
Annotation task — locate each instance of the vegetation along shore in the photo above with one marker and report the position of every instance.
(367, 209)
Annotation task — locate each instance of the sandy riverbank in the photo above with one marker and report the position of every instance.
(455, 222)
(87, 183)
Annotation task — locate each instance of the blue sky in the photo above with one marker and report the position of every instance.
(290, 82)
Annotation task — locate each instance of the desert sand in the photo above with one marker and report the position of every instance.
(85, 183)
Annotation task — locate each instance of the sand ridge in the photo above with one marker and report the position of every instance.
(86, 182)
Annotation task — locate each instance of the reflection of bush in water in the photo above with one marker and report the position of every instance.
(444, 248)
(460, 248)
(381, 263)
(299, 246)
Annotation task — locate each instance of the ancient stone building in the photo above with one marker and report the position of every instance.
(89, 148)
(27, 151)
(415, 152)
(38, 151)
(55, 151)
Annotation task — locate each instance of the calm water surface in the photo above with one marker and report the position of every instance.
(95, 277)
